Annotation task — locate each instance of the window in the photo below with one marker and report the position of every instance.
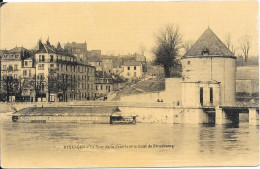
(96, 87)
(15, 67)
(205, 52)
(135, 68)
(4, 67)
(101, 87)
(42, 86)
(25, 72)
(134, 74)
(10, 68)
(201, 96)
(188, 62)
(128, 67)
(25, 63)
(51, 58)
(30, 73)
(41, 58)
(128, 74)
(41, 67)
(41, 76)
(15, 76)
(211, 95)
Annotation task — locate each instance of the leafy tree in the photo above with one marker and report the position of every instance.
(11, 86)
(168, 43)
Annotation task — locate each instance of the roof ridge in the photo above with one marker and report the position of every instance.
(210, 41)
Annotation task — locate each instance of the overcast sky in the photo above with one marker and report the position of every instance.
(122, 27)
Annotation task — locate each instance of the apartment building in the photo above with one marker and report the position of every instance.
(11, 65)
(60, 77)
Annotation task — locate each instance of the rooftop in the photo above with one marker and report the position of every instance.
(48, 48)
(76, 45)
(131, 63)
(67, 111)
(209, 43)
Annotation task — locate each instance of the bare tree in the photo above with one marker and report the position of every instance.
(187, 45)
(245, 45)
(228, 43)
(168, 43)
(227, 40)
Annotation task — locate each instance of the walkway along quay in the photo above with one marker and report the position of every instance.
(147, 112)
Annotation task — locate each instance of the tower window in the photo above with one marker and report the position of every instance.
(211, 95)
(188, 62)
(201, 96)
(205, 52)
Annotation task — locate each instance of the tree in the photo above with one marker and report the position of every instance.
(228, 43)
(168, 43)
(11, 86)
(187, 45)
(245, 45)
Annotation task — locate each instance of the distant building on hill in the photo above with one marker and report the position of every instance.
(78, 49)
(132, 69)
(96, 62)
(94, 53)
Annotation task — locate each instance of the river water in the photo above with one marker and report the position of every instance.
(140, 145)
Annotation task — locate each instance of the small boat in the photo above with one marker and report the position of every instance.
(123, 120)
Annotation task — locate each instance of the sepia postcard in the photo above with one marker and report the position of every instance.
(129, 84)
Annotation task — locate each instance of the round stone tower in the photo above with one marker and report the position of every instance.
(210, 61)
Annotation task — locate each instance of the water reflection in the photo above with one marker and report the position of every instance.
(42, 145)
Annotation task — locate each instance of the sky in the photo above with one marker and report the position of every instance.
(122, 27)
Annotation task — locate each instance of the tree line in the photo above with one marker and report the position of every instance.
(35, 86)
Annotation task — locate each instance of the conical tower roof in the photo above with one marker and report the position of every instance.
(210, 44)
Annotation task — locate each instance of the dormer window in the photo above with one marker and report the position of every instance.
(205, 52)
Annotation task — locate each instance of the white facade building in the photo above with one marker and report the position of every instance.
(132, 69)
